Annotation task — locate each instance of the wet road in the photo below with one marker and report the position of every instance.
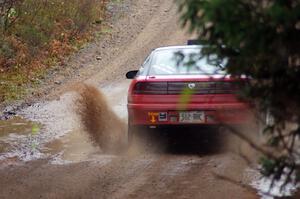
(176, 163)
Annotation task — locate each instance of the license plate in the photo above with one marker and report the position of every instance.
(192, 117)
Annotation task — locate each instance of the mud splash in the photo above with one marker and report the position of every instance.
(100, 122)
(78, 126)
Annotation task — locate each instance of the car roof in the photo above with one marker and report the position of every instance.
(179, 47)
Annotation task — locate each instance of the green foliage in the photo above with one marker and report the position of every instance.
(32, 36)
(268, 166)
(6, 50)
(35, 129)
(259, 39)
(8, 13)
(11, 86)
(185, 98)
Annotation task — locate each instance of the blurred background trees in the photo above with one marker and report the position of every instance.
(34, 34)
(27, 26)
(260, 39)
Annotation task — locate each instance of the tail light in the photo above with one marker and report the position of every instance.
(177, 88)
(151, 88)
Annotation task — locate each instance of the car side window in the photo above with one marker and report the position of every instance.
(144, 67)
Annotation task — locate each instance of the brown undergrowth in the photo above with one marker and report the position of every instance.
(36, 35)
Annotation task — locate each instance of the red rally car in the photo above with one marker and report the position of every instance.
(177, 86)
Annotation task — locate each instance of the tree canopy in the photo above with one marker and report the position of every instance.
(260, 39)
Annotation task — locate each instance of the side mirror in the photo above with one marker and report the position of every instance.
(131, 74)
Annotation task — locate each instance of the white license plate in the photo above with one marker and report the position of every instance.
(192, 117)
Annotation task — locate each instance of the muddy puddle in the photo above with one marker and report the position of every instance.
(14, 129)
(73, 147)
(4, 147)
(16, 125)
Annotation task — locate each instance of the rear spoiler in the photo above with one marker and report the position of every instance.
(193, 42)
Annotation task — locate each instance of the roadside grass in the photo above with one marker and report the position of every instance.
(14, 84)
(35, 36)
(11, 86)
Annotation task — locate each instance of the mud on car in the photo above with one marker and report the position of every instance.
(177, 86)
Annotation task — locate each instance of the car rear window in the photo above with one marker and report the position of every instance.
(187, 61)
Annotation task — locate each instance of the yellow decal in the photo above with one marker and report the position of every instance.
(152, 116)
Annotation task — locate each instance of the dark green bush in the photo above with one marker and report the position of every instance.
(6, 50)
(32, 36)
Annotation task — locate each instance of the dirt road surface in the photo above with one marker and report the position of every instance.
(58, 160)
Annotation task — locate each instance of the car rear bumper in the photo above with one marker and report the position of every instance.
(149, 114)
